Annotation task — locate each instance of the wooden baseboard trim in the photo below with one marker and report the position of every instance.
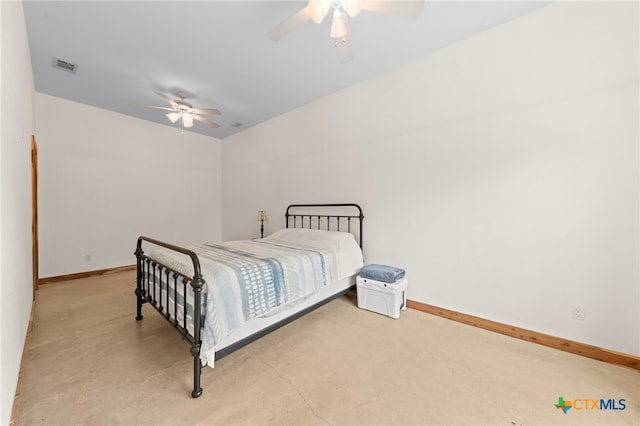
(23, 364)
(566, 345)
(85, 274)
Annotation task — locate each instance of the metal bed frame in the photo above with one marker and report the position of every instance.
(323, 216)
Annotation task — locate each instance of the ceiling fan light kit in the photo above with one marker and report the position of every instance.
(186, 119)
(184, 113)
(317, 10)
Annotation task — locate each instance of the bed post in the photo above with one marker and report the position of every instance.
(139, 287)
(197, 284)
(361, 219)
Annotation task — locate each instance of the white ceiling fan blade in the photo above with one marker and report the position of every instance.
(153, 106)
(287, 26)
(211, 111)
(206, 121)
(343, 48)
(318, 9)
(402, 8)
(352, 7)
(165, 97)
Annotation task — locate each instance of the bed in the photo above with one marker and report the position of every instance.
(221, 297)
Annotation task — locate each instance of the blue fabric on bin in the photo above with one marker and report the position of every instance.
(384, 273)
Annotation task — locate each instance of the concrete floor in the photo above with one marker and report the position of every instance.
(89, 362)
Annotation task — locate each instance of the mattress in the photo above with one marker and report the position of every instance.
(251, 284)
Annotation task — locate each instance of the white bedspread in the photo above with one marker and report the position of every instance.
(253, 278)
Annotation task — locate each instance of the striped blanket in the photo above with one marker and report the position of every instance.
(246, 279)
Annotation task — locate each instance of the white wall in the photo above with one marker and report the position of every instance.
(16, 128)
(106, 178)
(501, 172)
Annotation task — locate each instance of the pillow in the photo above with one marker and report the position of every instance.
(343, 244)
(334, 239)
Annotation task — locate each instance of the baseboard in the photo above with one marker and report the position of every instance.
(23, 363)
(85, 274)
(566, 345)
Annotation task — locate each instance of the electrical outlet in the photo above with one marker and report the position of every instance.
(87, 258)
(578, 313)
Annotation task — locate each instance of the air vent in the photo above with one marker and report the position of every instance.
(64, 65)
(236, 124)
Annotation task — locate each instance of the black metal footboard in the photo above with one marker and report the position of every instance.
(154, 278)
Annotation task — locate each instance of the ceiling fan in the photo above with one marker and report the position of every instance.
(317, 10)
(184, 112)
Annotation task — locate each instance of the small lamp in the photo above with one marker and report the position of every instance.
(262, 218)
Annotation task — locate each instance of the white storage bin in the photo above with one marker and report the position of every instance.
(384, 298)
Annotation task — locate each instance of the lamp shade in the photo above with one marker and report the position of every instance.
(338, 25)
(262, 216)
(173, 116)
(187, 120)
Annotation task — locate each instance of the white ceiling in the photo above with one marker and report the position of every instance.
(218, 52)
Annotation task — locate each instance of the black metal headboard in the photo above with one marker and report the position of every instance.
(329, 217)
